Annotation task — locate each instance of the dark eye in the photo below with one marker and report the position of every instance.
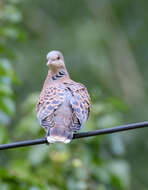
(58, 57)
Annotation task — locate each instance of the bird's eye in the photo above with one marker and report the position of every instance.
(58, 57)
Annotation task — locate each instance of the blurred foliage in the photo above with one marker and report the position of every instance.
(108, 57)
(8, 19)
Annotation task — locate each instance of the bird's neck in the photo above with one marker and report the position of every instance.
(55, 76)
(58, 74)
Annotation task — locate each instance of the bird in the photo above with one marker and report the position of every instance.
(63, 105)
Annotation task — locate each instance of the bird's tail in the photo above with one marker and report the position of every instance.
(59, 134)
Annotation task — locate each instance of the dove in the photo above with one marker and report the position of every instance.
(64, 105)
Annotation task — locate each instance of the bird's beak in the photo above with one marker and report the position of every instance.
(49, 62)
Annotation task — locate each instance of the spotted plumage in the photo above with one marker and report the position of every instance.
(64, 105)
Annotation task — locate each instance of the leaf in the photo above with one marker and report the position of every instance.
(5, 90)
(7, 105)
(11, 14)
(3, 134)
(120, 173)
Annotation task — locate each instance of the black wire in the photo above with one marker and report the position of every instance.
(78, 135)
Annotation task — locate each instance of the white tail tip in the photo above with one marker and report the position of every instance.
(54, 139)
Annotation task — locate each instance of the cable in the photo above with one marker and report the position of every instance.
(78, 135)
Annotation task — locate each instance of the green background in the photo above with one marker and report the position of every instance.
(105, 47)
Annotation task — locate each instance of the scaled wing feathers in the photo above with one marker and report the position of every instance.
(80, 101)
(55, 94)
(50, 99)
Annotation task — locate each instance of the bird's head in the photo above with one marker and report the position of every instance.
(55, 60)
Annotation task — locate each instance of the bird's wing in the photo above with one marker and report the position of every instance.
(80, 102)
(50, 99)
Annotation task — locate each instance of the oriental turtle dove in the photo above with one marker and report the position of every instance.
(64, 105)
